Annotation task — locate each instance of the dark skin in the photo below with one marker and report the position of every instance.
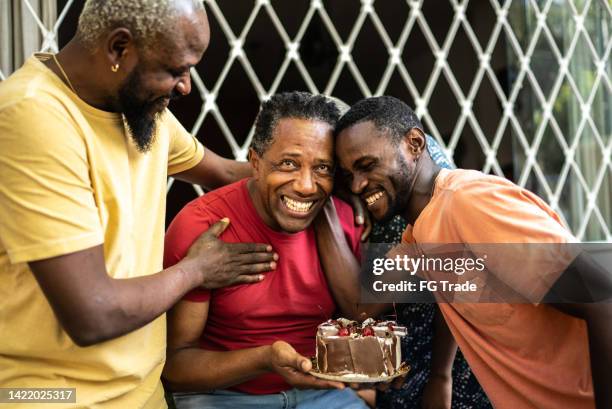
(336, 255)
(92, 306)
(297, 166)
(367, 178)
(362, 154)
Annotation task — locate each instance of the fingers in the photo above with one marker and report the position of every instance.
(329, 384)
(294, 368)
(398, 382)
(303, 364)
(255, 258)
(308, 381)
(218, 228)
(305, 381)
(256, 268)
(358, 209)
(382, 386)
(248, 279)
(362, 216)
(248, 248)
(367, 227)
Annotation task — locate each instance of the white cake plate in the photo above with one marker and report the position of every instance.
(359, 378)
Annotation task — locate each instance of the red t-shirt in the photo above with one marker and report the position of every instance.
(287, 305)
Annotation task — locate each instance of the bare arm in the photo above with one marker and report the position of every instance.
(585, 291)
(214, 171)
(438, 390)
(444, 348)
(94, 307)
(190, 368)
(598, 318)
(341, 267)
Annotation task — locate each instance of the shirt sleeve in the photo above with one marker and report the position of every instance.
(186, 227)
(47, 205)
(521, 238)
(185, 150)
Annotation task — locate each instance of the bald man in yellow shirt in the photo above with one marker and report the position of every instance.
(87, 146)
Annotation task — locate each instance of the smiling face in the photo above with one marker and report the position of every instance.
(162, 74)
(379, 171)
(294, 176)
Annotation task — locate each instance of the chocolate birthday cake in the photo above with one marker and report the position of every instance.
(369, 349)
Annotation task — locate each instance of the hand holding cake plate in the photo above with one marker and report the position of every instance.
(352, 353)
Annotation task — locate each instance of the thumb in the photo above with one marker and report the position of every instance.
(358, 209)
(303, 363)
(218, 228)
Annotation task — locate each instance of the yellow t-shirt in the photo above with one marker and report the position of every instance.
(71, 178)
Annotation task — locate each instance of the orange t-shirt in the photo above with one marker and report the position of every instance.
(524, 355)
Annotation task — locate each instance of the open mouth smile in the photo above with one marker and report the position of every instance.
(374, 197)
(297, 206)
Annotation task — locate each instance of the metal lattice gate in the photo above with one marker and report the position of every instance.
(554, 103)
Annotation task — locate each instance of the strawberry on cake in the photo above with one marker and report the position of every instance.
(370, 349)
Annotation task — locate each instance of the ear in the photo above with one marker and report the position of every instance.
(255, 162)
(415, 141)
(120, 48)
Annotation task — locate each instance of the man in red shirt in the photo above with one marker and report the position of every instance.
(246, 346)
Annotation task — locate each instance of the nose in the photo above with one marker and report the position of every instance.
(183, 87)
(359, 183)
(304, 184)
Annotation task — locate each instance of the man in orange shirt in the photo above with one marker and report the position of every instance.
(524, 355)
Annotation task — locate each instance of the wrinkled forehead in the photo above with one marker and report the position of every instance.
(303, 136)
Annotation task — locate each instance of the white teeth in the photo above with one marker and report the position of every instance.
(370, 200)
(296, 206)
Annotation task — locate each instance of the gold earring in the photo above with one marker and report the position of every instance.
(115, 68)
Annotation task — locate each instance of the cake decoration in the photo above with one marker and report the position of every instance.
(369, 349)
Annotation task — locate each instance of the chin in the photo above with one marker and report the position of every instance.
(381, 215)
(294, 226)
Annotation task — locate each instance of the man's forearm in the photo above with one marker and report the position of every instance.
(584, 291)
(214, 171)
(238, 170)
(598, 318)
(138, 301)
(124, 305)
(195, 369)
(444, 348)
(92, 307)
(341, 268)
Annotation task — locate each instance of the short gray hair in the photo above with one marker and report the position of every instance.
(146, 19)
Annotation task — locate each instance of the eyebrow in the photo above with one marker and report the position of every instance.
(299, 155)
(184, 67)
(366, 158)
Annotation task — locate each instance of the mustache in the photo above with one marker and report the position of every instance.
(172, 96)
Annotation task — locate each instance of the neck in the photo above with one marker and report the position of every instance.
(422, 191)
(81, 67)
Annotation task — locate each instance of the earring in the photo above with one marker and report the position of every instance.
(115, 68)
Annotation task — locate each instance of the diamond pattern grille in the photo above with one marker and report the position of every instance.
(567, 161)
